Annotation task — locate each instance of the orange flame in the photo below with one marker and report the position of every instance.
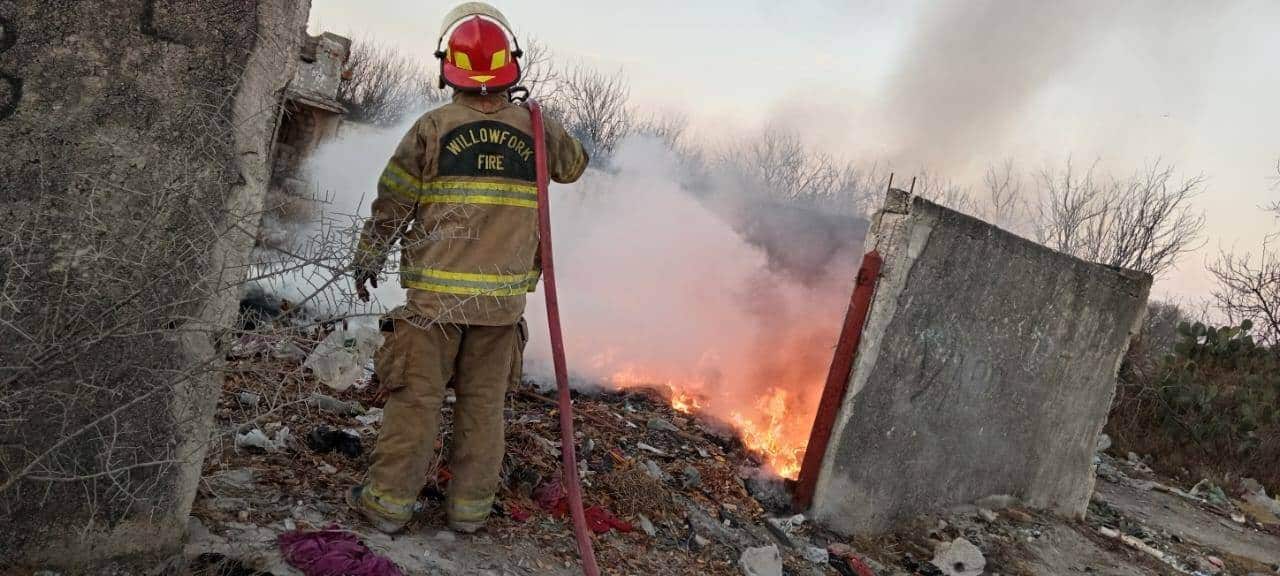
(776, 427)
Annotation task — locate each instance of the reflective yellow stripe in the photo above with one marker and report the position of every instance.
(382, 502)
(398, 180)
(472, 277)
(462, 510)
(403, 174)
(468, 283)
(464, 290)
(530, 189)
(463, 191)
(478, 199)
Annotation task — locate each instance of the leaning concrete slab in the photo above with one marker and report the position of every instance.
(135, 143)
(986, 367)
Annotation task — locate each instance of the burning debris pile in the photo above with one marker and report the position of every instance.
(669, 491)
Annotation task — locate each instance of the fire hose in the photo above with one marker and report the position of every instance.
(569, 459)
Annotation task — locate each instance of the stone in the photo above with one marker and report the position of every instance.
(815, 555)
(334, 406)
(661, 425)
(653, 470)
(761, 561)
(646, 525)
(1104, 443)
(690, 478)
(768, 489)
(959, 557)
(987, 516)
(968, 375)
(1211, 493)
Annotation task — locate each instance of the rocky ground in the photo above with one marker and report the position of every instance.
(686, 497)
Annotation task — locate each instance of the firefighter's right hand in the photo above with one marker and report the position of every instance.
(361, 291)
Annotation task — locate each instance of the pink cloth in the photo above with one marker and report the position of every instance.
(333, 552)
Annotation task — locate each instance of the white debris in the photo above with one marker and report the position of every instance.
(648, 448)
(338, 361)
(646, 525)
(1143, 547)
(816, 555)
(761, 561)
(959, 557)
(370, 417)
(255, 439)
(248, 399)
(373, 416)
(282, 438)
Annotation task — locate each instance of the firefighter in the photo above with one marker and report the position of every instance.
(459, 194)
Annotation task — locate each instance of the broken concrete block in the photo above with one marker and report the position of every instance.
(959, 557)
(761, 561)
(987, 365)
(137, 141)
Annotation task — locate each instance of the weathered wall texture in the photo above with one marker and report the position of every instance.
(135, 137)
(987, 367)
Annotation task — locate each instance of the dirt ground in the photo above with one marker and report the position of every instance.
(691, 499)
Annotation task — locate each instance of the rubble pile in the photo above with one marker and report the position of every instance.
(666, 492)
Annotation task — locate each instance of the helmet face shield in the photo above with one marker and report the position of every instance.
(481, 54)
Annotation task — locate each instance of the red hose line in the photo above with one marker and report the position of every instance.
(569, 457)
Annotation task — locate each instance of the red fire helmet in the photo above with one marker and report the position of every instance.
(480, 56)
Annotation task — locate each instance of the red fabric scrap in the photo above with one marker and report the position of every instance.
(333, 552)
(854, 562)
(600, 521)
(517, 513)
(551, 497)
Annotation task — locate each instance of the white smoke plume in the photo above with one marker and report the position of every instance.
(660, 287)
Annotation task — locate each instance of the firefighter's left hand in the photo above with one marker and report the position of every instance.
(361, 291)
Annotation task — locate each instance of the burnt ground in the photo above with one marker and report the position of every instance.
(699, 491)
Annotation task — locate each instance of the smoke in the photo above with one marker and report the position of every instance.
(974, 69)
(666, 287)
(725, 298)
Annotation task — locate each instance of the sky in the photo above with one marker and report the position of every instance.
(952, 86)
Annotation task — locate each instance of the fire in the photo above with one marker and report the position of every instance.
(779, 433)
(683, 402)
(775, 426)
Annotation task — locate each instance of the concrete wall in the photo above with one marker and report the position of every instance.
(133, 163)
(987, 367)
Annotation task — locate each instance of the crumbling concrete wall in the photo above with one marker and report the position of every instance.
(135, 139)
(986, 368)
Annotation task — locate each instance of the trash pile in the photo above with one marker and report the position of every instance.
(666, 492)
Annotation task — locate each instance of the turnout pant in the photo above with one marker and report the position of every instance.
(415, 363)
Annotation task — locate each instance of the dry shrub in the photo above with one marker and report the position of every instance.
(632, 491)
(1209, 407)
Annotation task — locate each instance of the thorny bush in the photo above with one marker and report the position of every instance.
(1207, 407)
